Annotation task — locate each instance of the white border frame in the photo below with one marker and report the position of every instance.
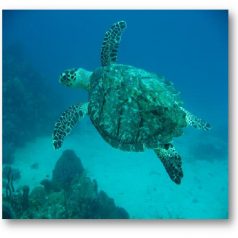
(132, 228)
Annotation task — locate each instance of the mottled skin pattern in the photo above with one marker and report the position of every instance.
(196, 122)
(171, 160)
(68, 77)
(111, 43)
(133, 109)
(66, 122)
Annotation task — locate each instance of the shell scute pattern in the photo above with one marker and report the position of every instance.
(133, 109)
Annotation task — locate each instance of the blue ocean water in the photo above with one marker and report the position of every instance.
(190, 48)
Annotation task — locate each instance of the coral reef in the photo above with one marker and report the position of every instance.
(16, 203)
(85, 199)
(9, 175)
(67, 167)
(9, 171)
(25, 197)
(70, 194)
(27, 102)
(48, 185)
(7, 211)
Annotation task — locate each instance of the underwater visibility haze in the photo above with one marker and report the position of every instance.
(115, 114)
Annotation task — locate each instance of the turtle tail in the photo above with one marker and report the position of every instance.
(67, 121)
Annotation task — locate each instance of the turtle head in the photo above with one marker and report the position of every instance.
(75, 78)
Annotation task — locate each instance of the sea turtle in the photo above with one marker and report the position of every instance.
(131, 108)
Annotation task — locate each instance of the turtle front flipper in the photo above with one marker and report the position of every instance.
(171, 161)
(67, 121)
(111, 43)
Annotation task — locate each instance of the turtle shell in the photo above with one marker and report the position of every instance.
(133, 109)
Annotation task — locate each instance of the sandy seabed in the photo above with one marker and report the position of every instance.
(137, 181)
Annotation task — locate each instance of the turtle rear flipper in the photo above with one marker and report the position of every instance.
(67, 121)
(111, 43)
(195, 121)
(171, 161)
